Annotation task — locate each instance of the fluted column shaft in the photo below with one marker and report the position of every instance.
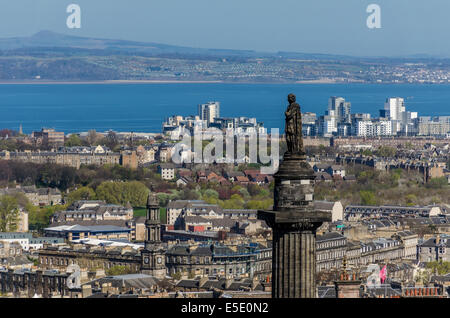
(293, 265)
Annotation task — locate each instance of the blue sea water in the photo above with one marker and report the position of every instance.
(143, 107)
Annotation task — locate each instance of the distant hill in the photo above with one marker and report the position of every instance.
(48, 39)
(50, 56)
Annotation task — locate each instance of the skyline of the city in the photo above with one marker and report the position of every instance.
(224, 155)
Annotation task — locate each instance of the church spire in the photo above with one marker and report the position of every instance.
(152, 200)
(153, 252)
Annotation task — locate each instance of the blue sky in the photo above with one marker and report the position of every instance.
(324, 26)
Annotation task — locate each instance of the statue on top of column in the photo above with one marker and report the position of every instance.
(293, 128)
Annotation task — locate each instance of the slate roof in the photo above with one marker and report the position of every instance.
(179, 204)
(188, 283)
(324, 205)
(93, 228)
(329, 236)
(87, 223)
(15, 235)
(130, 281)
(405, 233)
(209, 284)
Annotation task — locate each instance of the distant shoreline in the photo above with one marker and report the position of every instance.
(38, 82)
(104, 82)
(114, 82)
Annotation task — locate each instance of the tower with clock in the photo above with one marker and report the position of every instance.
(153, 259)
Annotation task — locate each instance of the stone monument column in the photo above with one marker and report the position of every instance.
(293, 219)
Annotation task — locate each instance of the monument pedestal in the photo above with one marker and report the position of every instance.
(294, 223)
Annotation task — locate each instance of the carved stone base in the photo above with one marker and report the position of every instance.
(294, 184)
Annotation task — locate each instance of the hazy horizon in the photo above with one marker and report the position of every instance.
(409, 27)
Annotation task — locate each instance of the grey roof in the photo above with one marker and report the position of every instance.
(48, 240)
(329, 236)
(441, 278)
(433, 243)
(17, 260)
(179, 204)
(93, 228)
(188, 283)
(388, 208)
(166, 166)
(15, 235)
(213, 249)
(130, 281)
(324, 205)
(225, 223)
(405, 233)
(197, 219)
(87, 223)
(321, 166)
(323, 175)
(213, 284)
(239, 210)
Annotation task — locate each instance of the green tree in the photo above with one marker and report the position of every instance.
(211, 193)
(235, 202)
(39, 218)
(264, 193)
(437, 183)
(73, 141)
(245, 193)
(367, 198)
(119, 270)
(366, 177)
(163, 198)
(439, 267)
(21, 199)
(395, 176)
(83, 193)
(366, 152)
(411, 199)
(386, 151)
(259, 204)
(9, 214)
(253, 189)
(112, 192)
(176, 276)
(109, 191)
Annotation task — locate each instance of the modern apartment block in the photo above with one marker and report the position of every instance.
(50, 137)
(209, 111)
(434, 126)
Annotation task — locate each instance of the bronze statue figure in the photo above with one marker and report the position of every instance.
(293, 128)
